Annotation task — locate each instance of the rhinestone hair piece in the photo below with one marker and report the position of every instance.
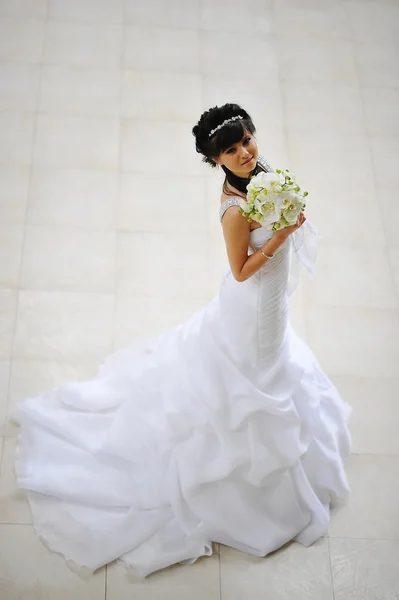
(224, 123)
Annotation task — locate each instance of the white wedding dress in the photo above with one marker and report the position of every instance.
(223, 430)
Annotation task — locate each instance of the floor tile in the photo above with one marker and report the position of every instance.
(228, 16)
(214, 184)
(8, 309)
(14, 506)
(14, 183)
(377, 63)
(371, 22)
(385, 154)
(381, 110)
(321, 107)
(77, 142)
(5, 367)
(354, 341)
(394, 262)
(292, 572)
(390, 213)
(83, 44)
(157, 95)
(68, 259)
(180, 582)
(177, 14)
(218, 263)
(21, 39)
(372, 508)
(312, 60)
(145, 208)
(176, 50)
(365, 569)
(325, 208)
(24, 8)
(102, 11)
(311, 19)
(375, 418)
(16, 141)
(19, 86)
(260, 99)
(273, 146)
(80, 91)
(342, 279)
(149, 262)
(214, 46)
(167, 145)
(316, 155)
(28, 570)
(73, 198)
(64, 326)
(11, 240)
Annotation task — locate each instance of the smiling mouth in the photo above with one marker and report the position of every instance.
(247, 161)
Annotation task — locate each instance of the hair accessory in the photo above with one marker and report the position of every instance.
(224, 123)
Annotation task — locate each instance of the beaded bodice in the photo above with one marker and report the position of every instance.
(233, 201)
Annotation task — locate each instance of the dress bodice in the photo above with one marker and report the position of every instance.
(259, 237)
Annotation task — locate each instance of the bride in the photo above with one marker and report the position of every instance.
(225, 429)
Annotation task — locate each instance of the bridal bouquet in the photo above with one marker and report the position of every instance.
(274, 200)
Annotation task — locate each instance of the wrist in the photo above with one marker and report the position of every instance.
(280, 236)
(274, 243)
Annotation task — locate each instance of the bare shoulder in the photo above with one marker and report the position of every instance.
(234, 224)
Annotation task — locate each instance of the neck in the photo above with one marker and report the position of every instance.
(238, 181)
(243, 176)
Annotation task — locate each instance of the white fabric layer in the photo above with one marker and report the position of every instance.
(223, 430)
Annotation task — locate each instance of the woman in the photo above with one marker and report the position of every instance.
(223, 430)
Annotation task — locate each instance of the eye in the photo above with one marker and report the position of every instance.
(230, 151)
(247, 140)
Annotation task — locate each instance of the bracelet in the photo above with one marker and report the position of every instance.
(269, 256)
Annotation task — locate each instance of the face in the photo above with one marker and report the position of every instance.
(241, 157)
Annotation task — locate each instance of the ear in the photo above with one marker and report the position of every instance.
(216, 160)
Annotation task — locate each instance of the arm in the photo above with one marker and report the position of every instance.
(236, 234)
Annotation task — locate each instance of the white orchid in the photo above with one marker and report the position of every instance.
(274, 200)
(271, 211)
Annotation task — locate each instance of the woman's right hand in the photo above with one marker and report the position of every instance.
(283, 234)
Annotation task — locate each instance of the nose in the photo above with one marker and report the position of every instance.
(245, 155)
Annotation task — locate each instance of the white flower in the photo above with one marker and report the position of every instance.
(274, 200)
(292, 206)
(246, 208)
(271, 211)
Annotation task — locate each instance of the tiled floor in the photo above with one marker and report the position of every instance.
(107, 214)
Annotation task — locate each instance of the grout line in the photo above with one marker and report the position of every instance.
(331, 570)
(7, 398)
(25, 219)
(204, 182)
(106, 582)
(220, 573)
(120, 171)
(2, 444)
(368, 539)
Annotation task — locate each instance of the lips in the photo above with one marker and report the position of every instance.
(247, 161)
